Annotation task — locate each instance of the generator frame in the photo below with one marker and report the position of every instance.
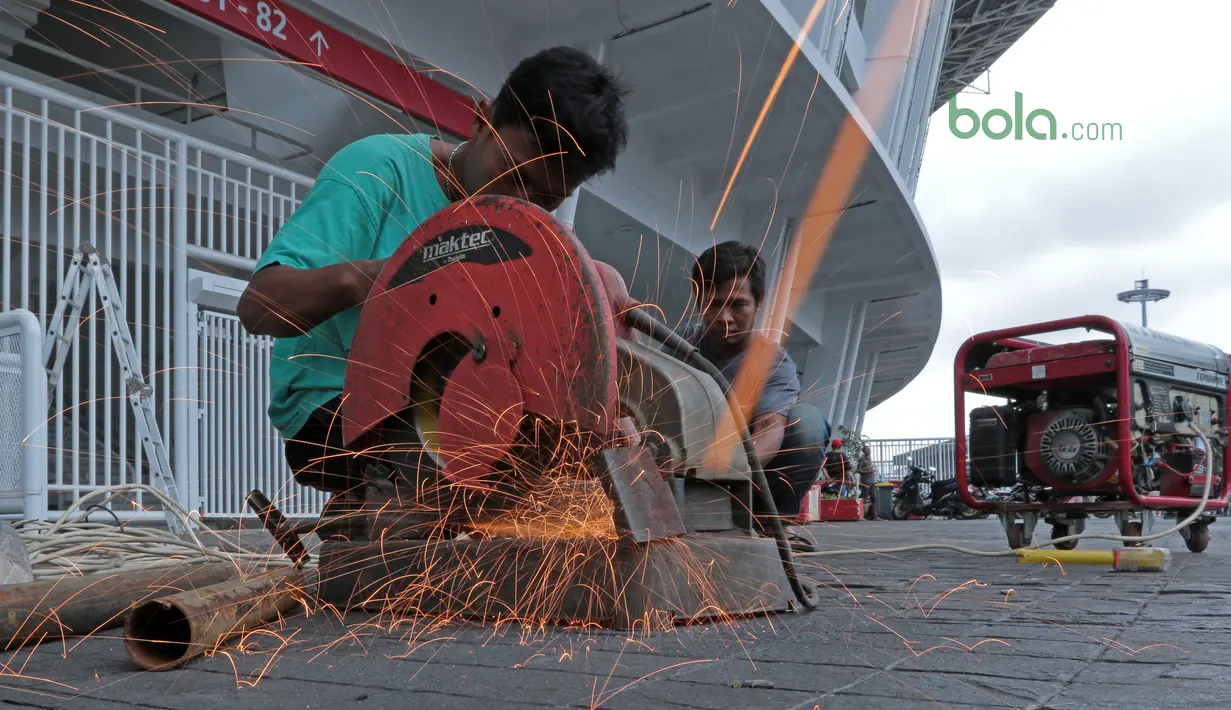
(1020, 518)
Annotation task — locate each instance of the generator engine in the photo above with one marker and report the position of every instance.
(1060, 427)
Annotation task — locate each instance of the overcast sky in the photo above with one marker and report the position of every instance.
(1028, 231)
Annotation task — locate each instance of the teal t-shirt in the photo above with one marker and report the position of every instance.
(367, 199)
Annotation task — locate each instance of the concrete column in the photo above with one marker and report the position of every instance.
(868, 380)
(859, 381)
(859, 313)
(812, 366)
(832, 371)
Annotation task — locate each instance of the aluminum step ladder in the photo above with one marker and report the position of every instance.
(87, 274)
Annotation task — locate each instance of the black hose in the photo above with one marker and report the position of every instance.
(683, 350)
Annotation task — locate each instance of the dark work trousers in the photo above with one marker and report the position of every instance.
(318, 457)
(867, 491)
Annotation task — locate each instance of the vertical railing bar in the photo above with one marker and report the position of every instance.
(236, 239)
(167, 394)
(109, 216)
(206, 360)
(211, 473)
(222, 461)
(95, 315)
(8, 190)
(262, 377)
(121, 408)
(76, 388)
(139, 288)
(200, 169)
(245, 404)
(223, 207)
(58, 444)
(233, 376)
(249, 245)
(45, 221)
(25, 214)
(178, 381)
(267, 220)
(213, 215)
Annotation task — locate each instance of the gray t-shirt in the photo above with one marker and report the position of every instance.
(781, 390)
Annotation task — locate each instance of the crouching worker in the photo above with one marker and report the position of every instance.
(557, 122)
(729, 285)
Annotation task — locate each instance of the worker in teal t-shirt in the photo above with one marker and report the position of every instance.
(557, 122)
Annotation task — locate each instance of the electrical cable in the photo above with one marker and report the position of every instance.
(683, 350)
(74, 546)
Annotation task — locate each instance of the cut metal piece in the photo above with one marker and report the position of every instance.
(80, 606)
(645, 509)
(165, 633)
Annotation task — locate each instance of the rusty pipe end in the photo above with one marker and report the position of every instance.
(158, 635)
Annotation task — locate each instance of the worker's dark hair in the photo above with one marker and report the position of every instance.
(730, 260)
(572, 104)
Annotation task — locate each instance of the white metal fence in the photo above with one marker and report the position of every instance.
(893, 456)
(240, 449)
(154, 202)
(23, 416)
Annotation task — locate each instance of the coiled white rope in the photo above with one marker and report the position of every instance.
(72, 545)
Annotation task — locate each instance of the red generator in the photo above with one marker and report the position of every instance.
(1122, 426)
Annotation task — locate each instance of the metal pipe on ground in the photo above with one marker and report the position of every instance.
(163, 634)
(79, 606)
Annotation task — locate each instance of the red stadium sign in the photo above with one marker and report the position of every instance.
(299, 37)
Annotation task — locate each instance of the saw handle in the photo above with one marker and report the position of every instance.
(644, 322)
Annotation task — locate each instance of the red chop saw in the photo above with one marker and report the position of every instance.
(542, 456)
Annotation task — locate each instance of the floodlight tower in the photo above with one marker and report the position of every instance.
(1143, 294)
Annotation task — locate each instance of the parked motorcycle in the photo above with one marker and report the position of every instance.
(940, 499)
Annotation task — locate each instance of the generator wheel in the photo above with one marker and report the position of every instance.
(1059, 531)
(1132, 529)
(1017, 535)
(1198, 538)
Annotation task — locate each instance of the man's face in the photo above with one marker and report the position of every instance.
(728, 312)
(510, 162)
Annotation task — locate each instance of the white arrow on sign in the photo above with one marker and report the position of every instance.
(321, 44)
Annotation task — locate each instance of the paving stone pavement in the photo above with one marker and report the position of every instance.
(927, 629)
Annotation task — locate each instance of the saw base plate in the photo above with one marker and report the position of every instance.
(567, 581)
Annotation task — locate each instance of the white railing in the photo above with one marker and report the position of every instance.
(23, 416)
(240, 449)
(141, 91)
(155, 203)
(892, 456)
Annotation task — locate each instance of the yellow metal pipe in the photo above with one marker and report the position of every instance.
(1128, 559)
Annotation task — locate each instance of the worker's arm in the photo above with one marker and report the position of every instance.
(315, 267)
(287, 302)
(767, 433)
(778, 395)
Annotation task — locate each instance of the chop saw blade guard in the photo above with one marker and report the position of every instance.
(544, 460)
